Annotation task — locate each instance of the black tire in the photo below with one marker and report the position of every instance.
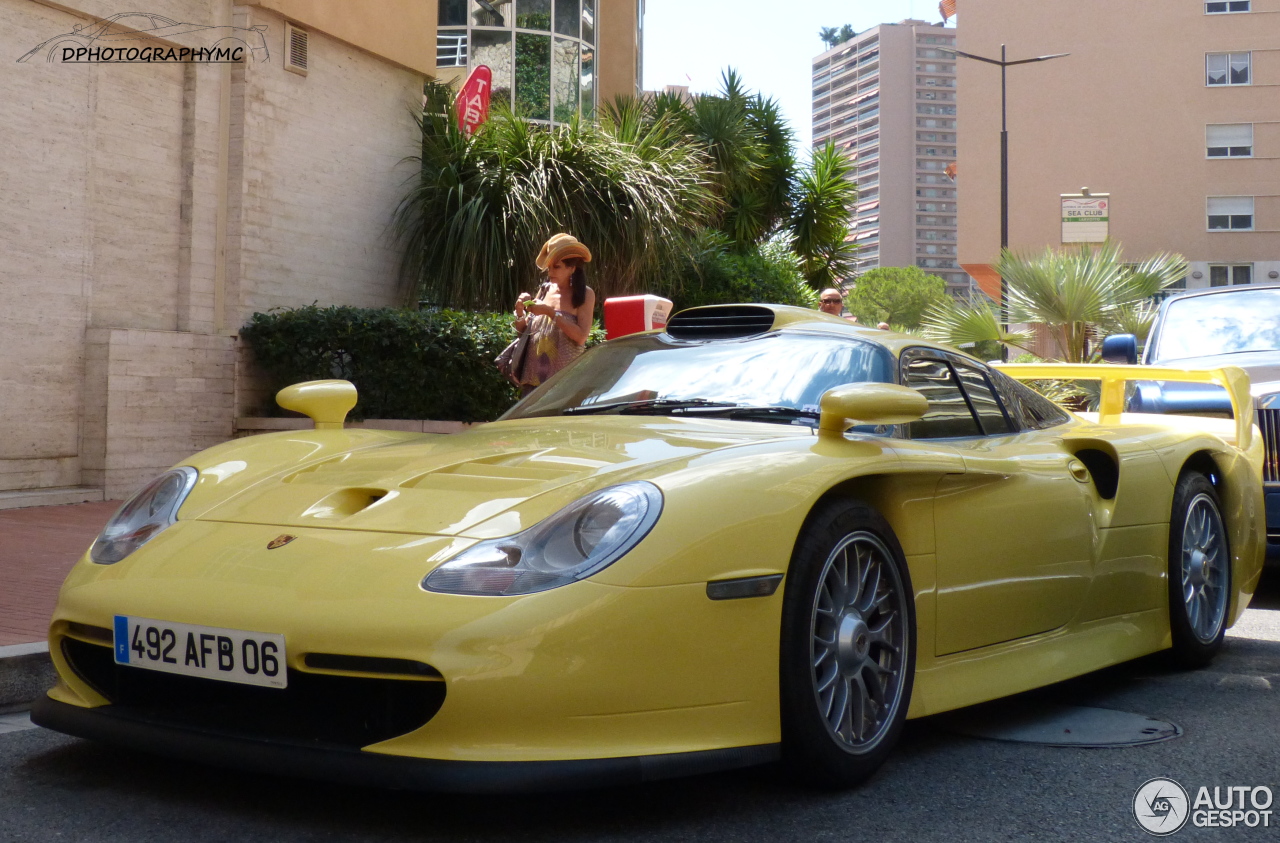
(864, 649)
(1199, 571)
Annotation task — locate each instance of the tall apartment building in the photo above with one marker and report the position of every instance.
(888, 96)
(1170, 106)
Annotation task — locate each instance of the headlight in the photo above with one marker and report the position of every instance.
(585, 537)
(143, 516)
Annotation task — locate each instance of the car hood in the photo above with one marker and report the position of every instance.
(1262, 367)
(471, 483)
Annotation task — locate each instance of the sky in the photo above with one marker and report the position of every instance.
(771, 44)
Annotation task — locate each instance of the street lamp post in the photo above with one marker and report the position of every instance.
(1004, 64)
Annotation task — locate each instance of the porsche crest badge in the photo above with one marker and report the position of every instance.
(280, 541)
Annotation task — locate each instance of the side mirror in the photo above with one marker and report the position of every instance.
(1121, 348)
(326, 402)
(868, 403)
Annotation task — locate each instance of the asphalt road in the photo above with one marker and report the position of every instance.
(939, 785)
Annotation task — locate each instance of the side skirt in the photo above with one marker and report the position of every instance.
(1012, 667)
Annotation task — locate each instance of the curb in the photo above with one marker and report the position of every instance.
(26, 672)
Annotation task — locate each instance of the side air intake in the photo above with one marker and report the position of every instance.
(720, 322)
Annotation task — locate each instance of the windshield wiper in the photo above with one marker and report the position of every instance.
(766, 413)
(651, 405)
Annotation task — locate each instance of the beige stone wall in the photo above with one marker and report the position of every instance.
(619, 46)
(318, 160)
(152, 398)
(150, 209)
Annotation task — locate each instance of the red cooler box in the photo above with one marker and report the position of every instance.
(633, 314)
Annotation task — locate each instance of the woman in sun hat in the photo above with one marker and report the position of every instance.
(559, 319)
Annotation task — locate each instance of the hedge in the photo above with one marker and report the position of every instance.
(406, 364)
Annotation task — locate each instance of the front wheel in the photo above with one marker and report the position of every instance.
(1199, 572)
(847, 647)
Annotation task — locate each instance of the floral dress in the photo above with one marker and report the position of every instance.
(549, 350)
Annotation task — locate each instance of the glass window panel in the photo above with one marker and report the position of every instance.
(1215, 69)
(452, 13)
(587, 81)
(533, 76)
(1030, 409)
(772, 370)
(490, 12)
(451, 48)
(589, 21)
(1242, 274)
(494, 49)
(1218, 276)
(948, 414)
(1218, 221)
(1241, 221)
(568, 14)
(1239, 68)
(533, 14)
(1200, 326)
(983, 400)
(564, 79)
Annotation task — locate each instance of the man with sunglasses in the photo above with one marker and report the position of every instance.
(831, 301)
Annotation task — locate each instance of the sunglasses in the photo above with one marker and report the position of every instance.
(831, 301)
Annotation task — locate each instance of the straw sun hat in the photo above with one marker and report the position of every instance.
(560, 247)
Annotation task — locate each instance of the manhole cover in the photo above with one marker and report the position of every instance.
(1061, 725)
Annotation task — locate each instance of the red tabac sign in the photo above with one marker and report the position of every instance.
(473, 100)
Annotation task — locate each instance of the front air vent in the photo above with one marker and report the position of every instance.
(720, 322)
(1269, 422)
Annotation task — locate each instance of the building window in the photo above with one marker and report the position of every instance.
(451, 48)
(544, 70)
(1230, 274)
(1226, 68)
(1230, 213)
(1221, 8)
(1229, 140)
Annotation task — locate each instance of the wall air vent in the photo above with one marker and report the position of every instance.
(720, 322)
(295, 49)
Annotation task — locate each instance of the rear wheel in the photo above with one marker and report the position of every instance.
(848, 646)
(1199, 571)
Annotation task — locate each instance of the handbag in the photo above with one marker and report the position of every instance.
(510, 362)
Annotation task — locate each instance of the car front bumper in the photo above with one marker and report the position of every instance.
(351, 766)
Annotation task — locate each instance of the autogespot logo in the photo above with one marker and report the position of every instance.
(1161, 807)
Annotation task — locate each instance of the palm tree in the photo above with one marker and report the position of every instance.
(1070, 291)
(820, 216)
(764, 194)
(479, 207)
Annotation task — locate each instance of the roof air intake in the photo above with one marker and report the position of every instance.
(720, 322)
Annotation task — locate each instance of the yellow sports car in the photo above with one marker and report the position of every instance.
(763, 533)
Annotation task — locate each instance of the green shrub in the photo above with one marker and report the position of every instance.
(434, 364)
(717, 273)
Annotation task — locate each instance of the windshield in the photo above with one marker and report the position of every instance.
(655, 374)
(1227, 323)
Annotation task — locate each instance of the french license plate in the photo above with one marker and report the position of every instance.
(227, 655)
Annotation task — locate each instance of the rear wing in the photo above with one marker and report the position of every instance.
(1231, 378)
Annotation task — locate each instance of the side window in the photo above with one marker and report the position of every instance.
(949, 415)
(984, 401)
(1030, 409)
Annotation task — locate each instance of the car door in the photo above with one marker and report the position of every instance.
(1015, 537)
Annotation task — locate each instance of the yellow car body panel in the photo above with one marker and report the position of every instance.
(1022, 575)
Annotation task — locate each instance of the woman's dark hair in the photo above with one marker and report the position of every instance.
(577, 282)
